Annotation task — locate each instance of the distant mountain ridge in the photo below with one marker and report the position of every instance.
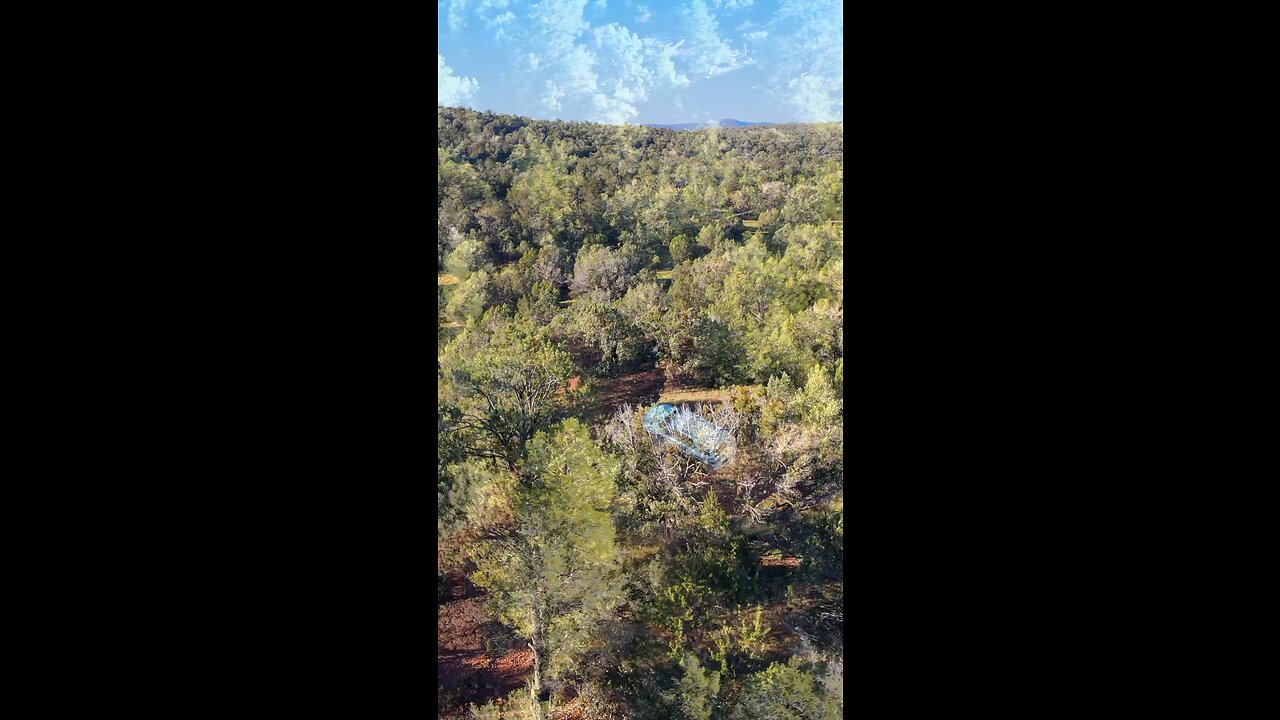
(726, 122)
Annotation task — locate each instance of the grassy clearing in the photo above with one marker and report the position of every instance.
(695, 395)
(447, 279)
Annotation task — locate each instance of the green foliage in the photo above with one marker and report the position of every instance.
(644, 306)
(776, 406)
(746, 402)
(552, 265)
(826, 544)
(697, 692)
(541, 200)
(817, 404)
(619, 563)
(711, 517)
(753, 632)
(470, 254)
(500, 385)
(469, 299)
(697, 348)
(723, 641)
(682, 599)
(516, 706)
(601, 273)
(715, 554)
(555, 577)
(783, 692)
(607, 342)
(770, 221)
(516, 280)
(479, 494)
(679, 248)
(676, 646)
(540, 306)
(708, 238)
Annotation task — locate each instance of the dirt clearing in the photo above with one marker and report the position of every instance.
(478, 659)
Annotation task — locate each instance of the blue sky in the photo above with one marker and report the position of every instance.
(644, 61)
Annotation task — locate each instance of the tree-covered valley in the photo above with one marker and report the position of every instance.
(588, 568)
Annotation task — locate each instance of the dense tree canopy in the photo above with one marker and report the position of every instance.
(572, 257)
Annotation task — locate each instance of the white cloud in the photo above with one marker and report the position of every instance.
(453, 90)
(612, 73)
(576, 69)
(707, 53)
(457, 14)
(555, 24)
(499, 21)
(491, 11)
(611, 110)
(806, 58)
(550, 35)
(552, 97)
(628, 69)
(812, 97)
(624, 78)
(604, 74)
(659, 58)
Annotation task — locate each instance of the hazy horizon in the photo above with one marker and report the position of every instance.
(551, 119)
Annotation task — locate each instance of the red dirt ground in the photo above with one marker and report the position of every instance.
(638, 388)
(467, 672)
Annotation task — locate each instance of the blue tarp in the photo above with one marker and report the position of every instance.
(691, 434)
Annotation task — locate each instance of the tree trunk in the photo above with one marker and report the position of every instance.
(535, 687)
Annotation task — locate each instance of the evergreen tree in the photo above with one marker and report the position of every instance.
(785, 692)
(501, 386)
(554, 576)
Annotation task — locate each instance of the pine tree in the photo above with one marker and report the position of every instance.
(554, 575)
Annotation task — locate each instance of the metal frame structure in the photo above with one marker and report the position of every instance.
(691, 434)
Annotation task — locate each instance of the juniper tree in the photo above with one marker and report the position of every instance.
(499, 388)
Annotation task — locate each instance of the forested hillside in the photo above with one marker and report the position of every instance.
(588, 569)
